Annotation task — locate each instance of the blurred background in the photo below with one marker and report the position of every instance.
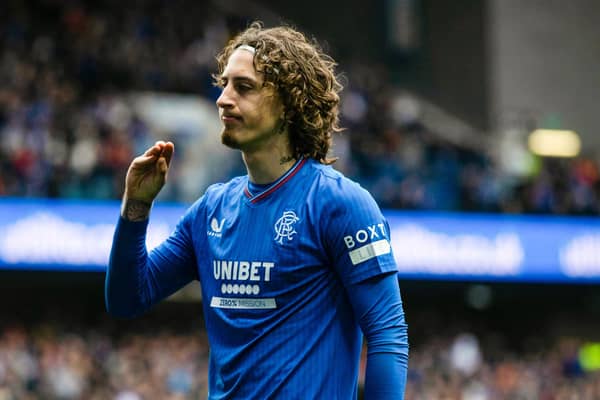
(472, 122)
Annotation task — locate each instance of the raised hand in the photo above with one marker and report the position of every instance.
(146, 176)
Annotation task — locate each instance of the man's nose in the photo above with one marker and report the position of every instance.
(224, 99)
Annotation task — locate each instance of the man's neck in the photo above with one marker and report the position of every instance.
(267, 166)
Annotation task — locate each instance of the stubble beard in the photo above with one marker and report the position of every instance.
(229, 140)
(234, 139)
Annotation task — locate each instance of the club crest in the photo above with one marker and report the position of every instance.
(284, 227)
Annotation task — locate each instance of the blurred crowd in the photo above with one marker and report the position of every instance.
(65, 67)
(53, 361)
(49, 362)
(466, 367)
(405, 164)
(66, 130)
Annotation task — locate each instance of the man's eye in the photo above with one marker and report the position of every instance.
(244, 88)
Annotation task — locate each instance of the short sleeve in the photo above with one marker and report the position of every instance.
(356, 234)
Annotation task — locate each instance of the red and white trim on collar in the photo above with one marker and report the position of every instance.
(255, 198)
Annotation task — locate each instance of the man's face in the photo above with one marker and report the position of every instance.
(251, 114)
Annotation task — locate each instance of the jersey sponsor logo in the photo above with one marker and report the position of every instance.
(216, 227)
(229, 270)
(376, 231)
(367, 243)
(284, 227)
(242, 278)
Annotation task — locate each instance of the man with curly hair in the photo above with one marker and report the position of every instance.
(294, 259)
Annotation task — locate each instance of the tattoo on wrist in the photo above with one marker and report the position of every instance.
(136, 210)
(285, 159)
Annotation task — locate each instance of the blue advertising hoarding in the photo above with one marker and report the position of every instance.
(496, 247)
(67, 235)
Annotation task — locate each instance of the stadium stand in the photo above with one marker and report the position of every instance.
(67, 130)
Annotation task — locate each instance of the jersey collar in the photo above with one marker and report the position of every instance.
(267, 191)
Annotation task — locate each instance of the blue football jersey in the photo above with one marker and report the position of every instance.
(273, 263)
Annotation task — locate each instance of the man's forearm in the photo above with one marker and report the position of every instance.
(135, 210)
(123, 288)
(385, 377)
(378, 305)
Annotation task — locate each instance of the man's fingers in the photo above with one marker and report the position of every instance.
(154, 150)
(159, 154)
(162, 165)
(145, 159)
(157, 148)
(167, 152)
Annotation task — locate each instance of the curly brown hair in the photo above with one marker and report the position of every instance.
(303, 76)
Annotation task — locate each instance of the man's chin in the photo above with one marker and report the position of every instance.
(228, 140)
